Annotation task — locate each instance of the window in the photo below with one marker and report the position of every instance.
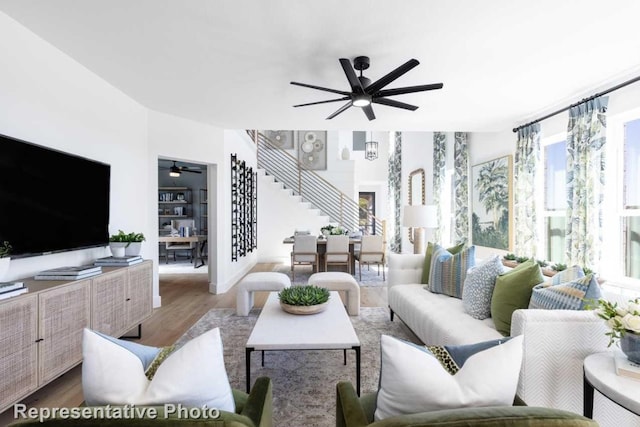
(631, 199)
(359, 138)
(555, 200)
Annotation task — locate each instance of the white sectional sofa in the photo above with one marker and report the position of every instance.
(555, 341)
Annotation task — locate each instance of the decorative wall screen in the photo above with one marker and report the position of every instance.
(244, 208)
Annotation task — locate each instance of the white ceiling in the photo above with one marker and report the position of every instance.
(229, 62)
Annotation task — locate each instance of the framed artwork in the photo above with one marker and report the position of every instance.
(312, 149)
(281, 138)
(492, 203)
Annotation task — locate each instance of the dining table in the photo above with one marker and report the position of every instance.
(322, 249)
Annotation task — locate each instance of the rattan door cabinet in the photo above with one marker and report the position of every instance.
(41, 330)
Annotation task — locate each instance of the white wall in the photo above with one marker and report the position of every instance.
(49, 99)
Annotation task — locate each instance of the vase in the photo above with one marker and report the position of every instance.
(345, 153)
(4, 267)
(630, 345)
(117, 248)
(134, 248)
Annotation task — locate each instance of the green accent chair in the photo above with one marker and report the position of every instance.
(354, 411)
(252, 410)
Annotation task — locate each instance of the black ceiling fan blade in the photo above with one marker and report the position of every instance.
(188, 170)
(339, 92)
(323, 102)
(340, 110)
(408, 89)
(393, 75)
(354, 81)
(368, 111)
(392, 103)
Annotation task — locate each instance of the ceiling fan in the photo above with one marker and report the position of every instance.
(364, 93)
(176, 170)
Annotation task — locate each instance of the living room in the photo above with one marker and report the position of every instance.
(76, 78)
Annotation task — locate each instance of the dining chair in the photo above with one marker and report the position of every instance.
(371, 252)
(337, 252)
(176, 225)
(305, 252)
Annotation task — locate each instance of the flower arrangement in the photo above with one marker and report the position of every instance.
(621, 320)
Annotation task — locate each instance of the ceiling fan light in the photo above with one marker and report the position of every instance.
(174, 174)
(361, 101)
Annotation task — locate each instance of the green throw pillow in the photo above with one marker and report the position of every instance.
(426, 269)
(513, 291)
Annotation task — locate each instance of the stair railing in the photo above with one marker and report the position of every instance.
(312, 188)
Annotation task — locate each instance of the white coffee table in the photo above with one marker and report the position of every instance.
(278, 330)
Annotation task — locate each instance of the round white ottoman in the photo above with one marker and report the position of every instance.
(338, 281)
(265, 281)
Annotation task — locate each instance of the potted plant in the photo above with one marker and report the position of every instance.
(5, 251)
(134, 245)
(308, 299)
(123, 244)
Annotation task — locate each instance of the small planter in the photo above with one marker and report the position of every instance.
(134, 248)
(117, 248)
(304, 309)
(630, 345)
(4, 267)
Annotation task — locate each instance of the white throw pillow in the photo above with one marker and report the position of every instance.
(113, 372)
(413, 380)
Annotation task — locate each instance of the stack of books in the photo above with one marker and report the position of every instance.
(625, 367)
(119, 261)
(69, 273)
(12, 289)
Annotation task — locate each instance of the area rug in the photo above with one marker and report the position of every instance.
(304, 382)
(370, 277)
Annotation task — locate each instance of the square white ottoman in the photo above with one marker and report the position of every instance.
(265, 281)
(338, 281)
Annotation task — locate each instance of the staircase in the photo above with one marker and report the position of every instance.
(338, 208)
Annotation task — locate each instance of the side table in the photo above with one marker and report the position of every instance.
(600, 374)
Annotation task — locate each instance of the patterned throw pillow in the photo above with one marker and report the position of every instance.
(448, 271)
(416, 378)
(572, 295)
(570, 274)
(426, 269)
(478, 288)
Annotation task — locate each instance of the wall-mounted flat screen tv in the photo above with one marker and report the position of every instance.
(51, 201)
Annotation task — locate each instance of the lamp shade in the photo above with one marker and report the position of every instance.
(420, 216)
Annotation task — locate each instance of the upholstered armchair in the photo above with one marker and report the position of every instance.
(354, 411)
(252, 410)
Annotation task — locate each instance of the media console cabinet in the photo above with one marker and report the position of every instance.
(41, 330)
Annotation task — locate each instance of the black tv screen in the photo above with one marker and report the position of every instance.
(51, 201)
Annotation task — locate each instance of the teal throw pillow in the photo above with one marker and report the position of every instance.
(512, 292)
(426, 269)
(448, 271)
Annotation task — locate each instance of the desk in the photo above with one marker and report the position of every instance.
(600, 374)
(199, 240)
(322, 249)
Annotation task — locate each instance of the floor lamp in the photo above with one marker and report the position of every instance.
(420, 217)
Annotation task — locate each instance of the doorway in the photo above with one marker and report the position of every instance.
(183, 209)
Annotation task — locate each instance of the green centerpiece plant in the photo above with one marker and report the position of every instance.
(123, 244)
(308, 299)
(5, 249)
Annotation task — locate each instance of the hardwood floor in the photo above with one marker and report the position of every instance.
(185, 299)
